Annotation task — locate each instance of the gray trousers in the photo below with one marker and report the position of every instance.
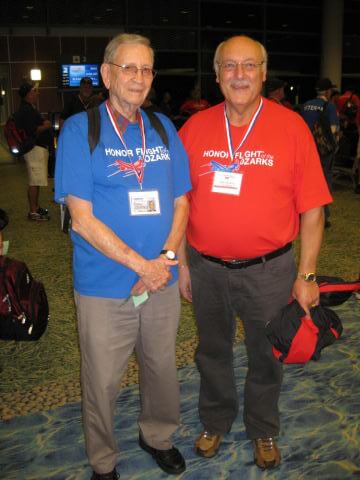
(109, 330)
(255, 293)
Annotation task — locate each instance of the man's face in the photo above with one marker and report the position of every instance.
(32, 96)
(86, 89)
(125, 88)
(241, 87)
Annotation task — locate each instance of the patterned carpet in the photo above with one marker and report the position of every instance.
(320, 437)
(41, 435)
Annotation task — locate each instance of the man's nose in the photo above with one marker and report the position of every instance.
(239, 69)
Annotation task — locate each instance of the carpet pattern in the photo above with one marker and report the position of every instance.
(41, 434)
(320, 435)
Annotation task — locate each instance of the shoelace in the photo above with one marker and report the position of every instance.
(266, 444)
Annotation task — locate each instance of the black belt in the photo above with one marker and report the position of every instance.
(250, 261)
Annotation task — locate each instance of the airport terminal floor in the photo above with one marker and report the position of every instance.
(40, 431)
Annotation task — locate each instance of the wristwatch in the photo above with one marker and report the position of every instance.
(308, 277)
(170, 254)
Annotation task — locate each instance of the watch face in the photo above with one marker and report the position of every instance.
(310, 277)
(170, 254)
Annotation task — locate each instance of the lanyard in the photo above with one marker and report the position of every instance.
(247, 133)
(138, 166)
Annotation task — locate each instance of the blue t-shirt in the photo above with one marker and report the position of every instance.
(313, 108)
(104, 180)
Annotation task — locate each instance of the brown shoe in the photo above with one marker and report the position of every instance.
(207, 445)
(266, 453)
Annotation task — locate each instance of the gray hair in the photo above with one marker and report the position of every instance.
(222, 44)
(125, 39)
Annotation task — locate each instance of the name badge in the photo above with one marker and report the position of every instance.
(227, 182)
(144, 203)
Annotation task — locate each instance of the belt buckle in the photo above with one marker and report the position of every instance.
(237, 262)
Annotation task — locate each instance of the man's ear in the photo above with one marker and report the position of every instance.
(105, 74)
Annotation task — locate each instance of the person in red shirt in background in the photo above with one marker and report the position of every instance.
(195, 103)
(348, 105)
(349, 97)
(257, 183)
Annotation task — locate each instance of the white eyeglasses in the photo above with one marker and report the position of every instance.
(230, 66)
(131, 70)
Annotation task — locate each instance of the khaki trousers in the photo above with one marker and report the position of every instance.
(37, 166)
(109, 330)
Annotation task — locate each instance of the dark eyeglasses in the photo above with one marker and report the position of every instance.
(131, 70)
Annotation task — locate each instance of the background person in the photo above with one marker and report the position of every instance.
(129, 212)
(80, 101)
(311, 111)
(29, 119)
(275, 91)
(257, 182)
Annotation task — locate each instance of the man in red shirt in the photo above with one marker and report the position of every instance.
(349, 98)
(257, 182)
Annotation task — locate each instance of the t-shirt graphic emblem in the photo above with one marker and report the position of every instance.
(129, 168)
(219, 167)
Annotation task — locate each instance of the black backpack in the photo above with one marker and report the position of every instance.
(18, 142)
(94, 123)
(94, 127)
(24, 309)
(323, 136)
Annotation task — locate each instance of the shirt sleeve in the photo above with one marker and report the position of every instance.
(73, 174)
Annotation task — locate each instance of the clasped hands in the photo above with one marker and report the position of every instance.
(154, 276)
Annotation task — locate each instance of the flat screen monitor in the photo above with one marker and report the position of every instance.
(71, 74)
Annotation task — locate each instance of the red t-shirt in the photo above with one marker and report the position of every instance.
(194, 106)
(282, 177)
(345, 97)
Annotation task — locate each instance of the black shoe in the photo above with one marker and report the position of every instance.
(171, 460)
(43, 211)
(357, 188)
(105, 476)
(38, 217)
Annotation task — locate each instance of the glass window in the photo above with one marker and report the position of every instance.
(163, 12)
(293, 19)
(176, 61)
(231, 15)
(352, 21)
(294, 64)
(293, 42)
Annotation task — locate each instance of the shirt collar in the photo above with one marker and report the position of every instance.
(123, 122)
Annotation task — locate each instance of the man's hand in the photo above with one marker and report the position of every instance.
(185, 282)
(306, 293)
(155, 275)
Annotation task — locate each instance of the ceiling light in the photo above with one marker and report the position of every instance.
(35, 74)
